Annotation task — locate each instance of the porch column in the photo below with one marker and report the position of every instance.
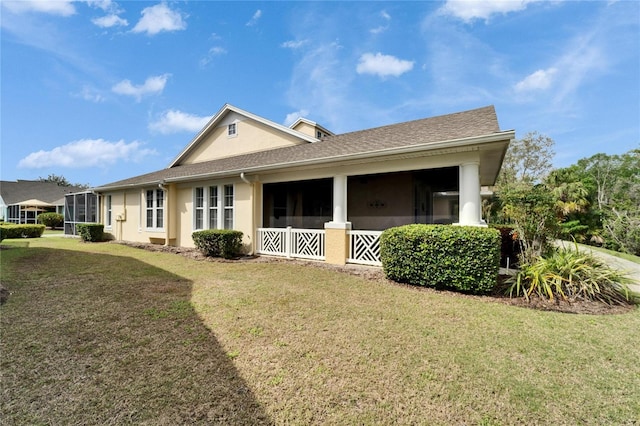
(470, 203)
(336, 238)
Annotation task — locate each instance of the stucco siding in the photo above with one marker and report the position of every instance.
(251, 136)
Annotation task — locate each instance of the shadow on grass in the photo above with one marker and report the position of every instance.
(92, 339)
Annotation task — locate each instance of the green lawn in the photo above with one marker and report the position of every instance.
(626, 256)
(103, 333)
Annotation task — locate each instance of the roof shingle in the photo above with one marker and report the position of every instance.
(461, 125)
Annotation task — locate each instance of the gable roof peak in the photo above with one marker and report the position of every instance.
(219, 116)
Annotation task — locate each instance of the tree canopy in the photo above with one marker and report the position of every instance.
(61, 181)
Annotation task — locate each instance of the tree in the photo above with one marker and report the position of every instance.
(612, 209)
(527, 161)
(531, 211)
(60, 181)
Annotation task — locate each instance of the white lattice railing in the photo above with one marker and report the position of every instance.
(291, 242)
(272, 241)
(364, 247)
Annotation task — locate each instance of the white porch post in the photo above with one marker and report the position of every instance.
(336, 238)
(339, 199)
(470, 203)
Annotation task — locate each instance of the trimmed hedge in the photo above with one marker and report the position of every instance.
(52, 220)
(218, 242)
(461, 258)
(9, 231)
(90, 231)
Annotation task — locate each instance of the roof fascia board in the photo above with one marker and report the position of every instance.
(218, 117)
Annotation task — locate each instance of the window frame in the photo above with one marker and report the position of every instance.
(155, 206)
(109, 211)
(232, 129)
(218, 207)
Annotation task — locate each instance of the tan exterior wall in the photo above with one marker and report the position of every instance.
(336, 246)
(251, 136)
(306, 128)
(243, 212)
(244, 218)
(184, 214)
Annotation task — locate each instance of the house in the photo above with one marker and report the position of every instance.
(23, 200)
(302, 191)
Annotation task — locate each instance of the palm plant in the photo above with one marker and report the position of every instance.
(570, 274)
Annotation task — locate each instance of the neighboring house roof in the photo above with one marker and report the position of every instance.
(450, 131)
(21, 191)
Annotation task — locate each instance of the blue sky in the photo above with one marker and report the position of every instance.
(100, 90)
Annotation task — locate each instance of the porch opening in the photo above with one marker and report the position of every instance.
(381, 201)
(302, 204)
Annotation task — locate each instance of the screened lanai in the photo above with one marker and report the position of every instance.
(80, 207)
(374, 201)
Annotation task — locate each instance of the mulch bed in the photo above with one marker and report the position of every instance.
(376, 274)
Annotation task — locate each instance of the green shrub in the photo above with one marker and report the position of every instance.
(442, 256)
(90, 231)
(52, 220)
(218, 242)
(570, 274)
(9, 231)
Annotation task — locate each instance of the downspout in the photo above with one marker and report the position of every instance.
(253, 210)
(166, 209)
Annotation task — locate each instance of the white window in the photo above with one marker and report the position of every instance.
(232, 129)
(228, 207)
(108, 207)
(199, 208)
(213, 207)
(155, 208)
(210, 211)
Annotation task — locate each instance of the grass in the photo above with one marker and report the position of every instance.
(49, 231)
(626, 256)
(103, 333)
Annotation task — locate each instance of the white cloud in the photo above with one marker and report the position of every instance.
(106, 5)
(152, 85)
(159, 18)
(254, 19)
(174, 121)
(109, 21)
(59, 7)
(585, 58)
(294, 44)
(213, 52)
(321, 82)
(383, 65)
(382, 28)
(91, 95)
(292, 117)
(469, 11)
(86, 153)
(539, 80)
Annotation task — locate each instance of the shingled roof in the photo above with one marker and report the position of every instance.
(424, 134)
(22, 190)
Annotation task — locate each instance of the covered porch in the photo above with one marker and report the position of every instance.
(339, 219)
